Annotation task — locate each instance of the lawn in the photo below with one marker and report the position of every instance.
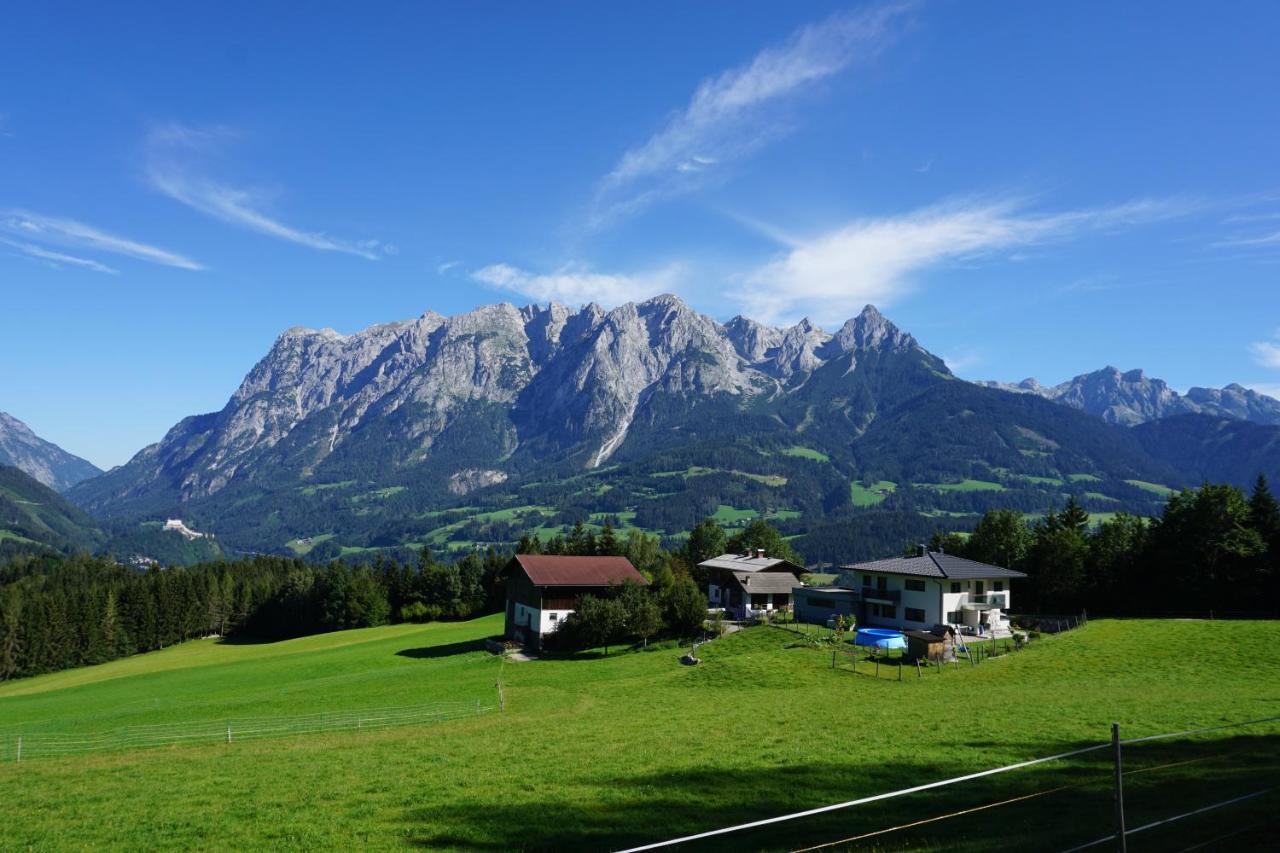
(598, 752)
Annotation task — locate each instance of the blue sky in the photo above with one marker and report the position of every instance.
(1031, 189)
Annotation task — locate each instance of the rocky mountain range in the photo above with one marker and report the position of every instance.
(43, 460)
(1131, 397)
(455, 432)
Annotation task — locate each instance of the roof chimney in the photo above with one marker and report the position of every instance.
(924, 550)
(760, 553)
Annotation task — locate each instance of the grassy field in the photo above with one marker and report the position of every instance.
(870, 495)
(598, 752)
(965, 486)
(1155, 488)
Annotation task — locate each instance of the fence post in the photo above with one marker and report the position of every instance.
(1122, 843)
(228, 733)
(833, 661)
(19, 749)
(917, 667)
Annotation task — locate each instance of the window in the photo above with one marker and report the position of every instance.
(954, 617)
(884, 611)
(882, 583)
(998, 586)
(915, 585)
(866, 580)
(978, 587)
(759, 600)
(913, 614)
(955, 586)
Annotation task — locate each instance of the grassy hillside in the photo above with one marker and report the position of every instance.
(33, 514)
(597, 752)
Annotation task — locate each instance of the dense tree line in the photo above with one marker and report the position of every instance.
(58, 612)
(1211, 549)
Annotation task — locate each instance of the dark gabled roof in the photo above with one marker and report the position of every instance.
(934, 565)
(765, 582)
(751, 563)
(560, 570)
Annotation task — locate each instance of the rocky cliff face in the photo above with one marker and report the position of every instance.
(1130, 398)
(518, 383)
(46, 462)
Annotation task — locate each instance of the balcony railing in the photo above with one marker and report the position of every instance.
(989, 599)
(873, 594)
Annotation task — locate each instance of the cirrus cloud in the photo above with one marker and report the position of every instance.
(177, 157)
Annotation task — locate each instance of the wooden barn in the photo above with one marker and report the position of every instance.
(544, 589)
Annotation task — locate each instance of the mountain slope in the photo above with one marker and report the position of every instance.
(33, 514)
(1131, 398)
(43, 460)
(450, 433)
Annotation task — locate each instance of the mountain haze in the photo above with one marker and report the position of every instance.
(1131, 397)
(43, 460)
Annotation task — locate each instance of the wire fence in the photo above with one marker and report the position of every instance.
(18, 745)
(1092, 777)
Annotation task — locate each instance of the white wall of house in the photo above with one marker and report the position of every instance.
(953, 602)
(528, 618)
(551, 620)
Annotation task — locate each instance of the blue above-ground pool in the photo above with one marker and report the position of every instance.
(880, 638)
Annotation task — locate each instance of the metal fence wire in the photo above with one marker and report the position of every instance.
(1113, 832)
(19, 745)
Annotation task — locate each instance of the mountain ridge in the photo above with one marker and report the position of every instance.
(45, 461)
(1131, 397)
(456, 432)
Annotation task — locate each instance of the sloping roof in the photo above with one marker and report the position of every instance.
(826, 590)
(560, 570)
(764, 582)
(749, 563)
(934, 565)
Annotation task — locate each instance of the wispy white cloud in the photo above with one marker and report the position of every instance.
(577, 285)
(1267, 353)
(177, 160)
(1256, 240)
(57, 258)
(59, 231)
(445, 267)
(734, 113)
(830, 276)
(964, 360)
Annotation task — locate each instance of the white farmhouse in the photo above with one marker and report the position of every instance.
(930, 589)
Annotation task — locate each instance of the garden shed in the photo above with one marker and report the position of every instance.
(927, 645)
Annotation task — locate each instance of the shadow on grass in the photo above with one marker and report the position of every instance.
(447, 650)
(1054, 806)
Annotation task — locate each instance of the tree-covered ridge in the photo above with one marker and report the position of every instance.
(1212, 549)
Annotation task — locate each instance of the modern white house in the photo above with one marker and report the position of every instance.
(544, 589)
(931, 589)
(750, 583)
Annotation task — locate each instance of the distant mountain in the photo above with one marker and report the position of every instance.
(43, 460)
(1130, 398)
(32, 514)
(457, 432)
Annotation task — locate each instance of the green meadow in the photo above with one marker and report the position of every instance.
(599, 752)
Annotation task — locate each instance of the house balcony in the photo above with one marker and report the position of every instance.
(881, 596)
(987, 601)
